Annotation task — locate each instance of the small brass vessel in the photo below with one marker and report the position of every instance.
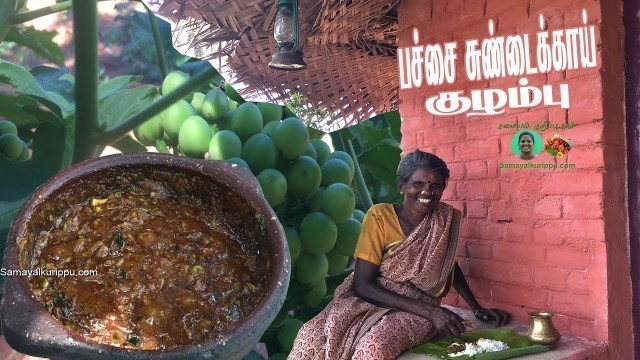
(541, 330)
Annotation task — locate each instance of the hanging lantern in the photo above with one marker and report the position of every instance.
(285, 31)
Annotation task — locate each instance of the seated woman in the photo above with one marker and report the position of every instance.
(405, 262)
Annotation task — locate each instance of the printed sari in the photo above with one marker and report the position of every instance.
(420, 267)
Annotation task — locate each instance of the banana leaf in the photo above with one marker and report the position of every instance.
(518, 345)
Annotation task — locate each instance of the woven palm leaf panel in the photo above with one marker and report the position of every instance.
(349, 47)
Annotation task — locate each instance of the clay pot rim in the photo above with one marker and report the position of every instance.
(17, 293)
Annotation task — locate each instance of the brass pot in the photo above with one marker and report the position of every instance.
(541, 330)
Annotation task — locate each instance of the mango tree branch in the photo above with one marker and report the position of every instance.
(47, 10)
(135, 120)
(85, 30)
(361, 186)
(162, 58)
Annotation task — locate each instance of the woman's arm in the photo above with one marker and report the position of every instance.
(366, 287)
(462, 287)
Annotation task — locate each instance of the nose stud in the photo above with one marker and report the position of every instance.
(423, 192)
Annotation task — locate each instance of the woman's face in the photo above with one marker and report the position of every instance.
(526, 144)
(423, 189)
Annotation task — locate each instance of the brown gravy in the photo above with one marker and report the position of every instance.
(171, 271)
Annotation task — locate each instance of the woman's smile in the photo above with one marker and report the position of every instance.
(423, 190)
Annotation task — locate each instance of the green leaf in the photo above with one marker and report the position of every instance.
(23, 82)
(127, 144)
(369, 135)
(111, 86)
(8, 8)
(393, 119)
(51, 153)
(25, 112)
(54, 80)
(124, 103)
(40, 41)
(519, 345)
(382, 161)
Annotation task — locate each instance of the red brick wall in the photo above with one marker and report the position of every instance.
(532, 239)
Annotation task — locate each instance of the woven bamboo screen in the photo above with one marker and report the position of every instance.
(349, 46)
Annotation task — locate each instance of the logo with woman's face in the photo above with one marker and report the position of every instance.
(527, 144)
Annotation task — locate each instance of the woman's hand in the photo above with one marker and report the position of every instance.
(448, 323)
(498, 317)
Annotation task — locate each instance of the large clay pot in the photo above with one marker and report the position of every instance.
(30, 329)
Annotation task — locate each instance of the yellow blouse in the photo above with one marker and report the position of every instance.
(380, 229)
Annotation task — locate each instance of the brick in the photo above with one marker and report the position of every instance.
(578, 283)
(521, 275)
(519, 313)
(585, 113)
(500, 210)
(575, 305)
(585, 89)
(549, 207)
(568, 259)
(573, 16)
(519, 295)
(479, 249)
(492, 168)
(413, 12)
(556, 77)
(445, 152)
(478, 269)
(444, 135)
(479, 229)
(533, 117)
(543, 235)
(562, 323)
(511, 18)
(517, 232)
(585, 158)
(582, 207)
(488, 270)
(476, 170)
(549, 278)
(479, 190)
(567, 183)
(450, 193)
(548, 6)
(458, 205)
(476, 130)
(454, 5)
(520, 254)
(571, 229)
(481, 288)
(476, 150)
(408, 142)
(558, 115)
(439, 8)
(584, 328)
(472, 12)
(476, 209)
(456, 171)
(585, 134)
(497, 7)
